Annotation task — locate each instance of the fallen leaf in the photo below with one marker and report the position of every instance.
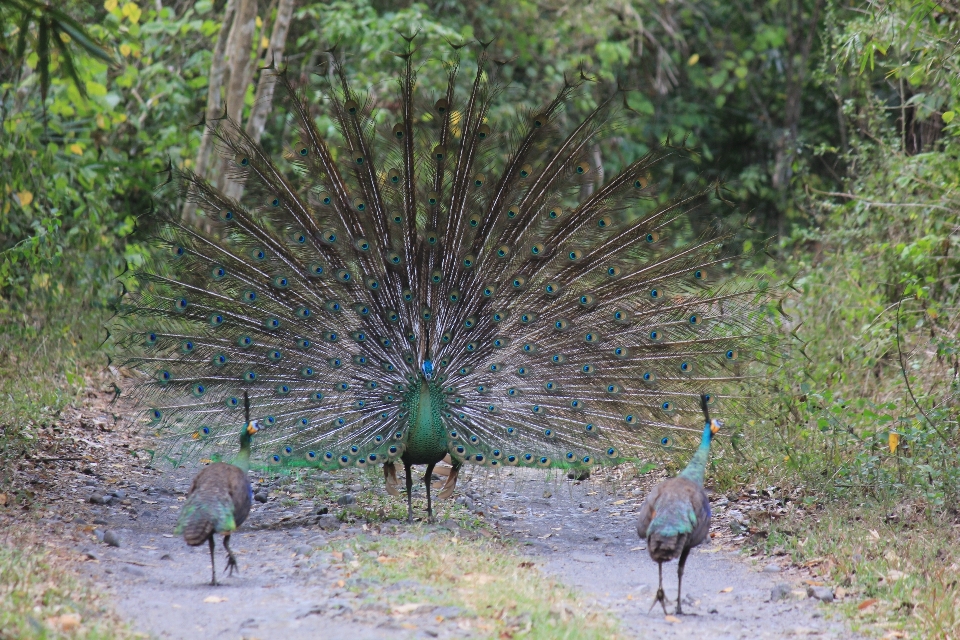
(407, 625)
(3, 499)
(148, 547)
(341, 583)
(385, 559)
(621, 502)
(726, 590)
(637, 548)
(867, 603)
(336, 554)
(66, 623)
(673, 619)
(214, 599)
(407, 608)
(874, 533)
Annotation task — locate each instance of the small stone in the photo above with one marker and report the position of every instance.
(780, 592)
(346, 499)
(510, 494)
(712, 610)
(508, 517)
(119, 493)
(348, 556)
(111, 538)
(137, 571)
(89, 554)
(99, 534)
(303, 550)
(90, 482)
(328, 522)
(547, 494)
(100, 521)
(99, 498)
(260, 496)
(448, 612)
(355, 488)
(823, 594)
(772, 568)
(322, 511)
(166, 556)
(466, 502)
(722, 501)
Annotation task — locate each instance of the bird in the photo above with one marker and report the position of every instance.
(675, 516)
(414, 277)
(219, 500)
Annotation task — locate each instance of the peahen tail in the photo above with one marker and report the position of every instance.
(203, 514)
(411, 274)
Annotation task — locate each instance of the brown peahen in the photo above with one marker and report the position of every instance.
(219, 500)
(675, 517)
(412, 279)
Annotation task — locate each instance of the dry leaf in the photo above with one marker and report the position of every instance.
(66, 623)
(673, 619)
(385, 559)
(336, 554)
(407, 608)
(341, 583)
(637, 548)
(874, 533)
(3, 499)
(867, 603)
(621, 502)
(214, 599)
(407, 625)
(726, 590)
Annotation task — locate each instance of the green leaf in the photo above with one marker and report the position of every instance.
(947, 117)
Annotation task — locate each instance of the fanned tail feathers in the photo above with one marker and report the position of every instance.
(562, 332)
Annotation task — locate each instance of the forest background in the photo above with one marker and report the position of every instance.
(832, 124)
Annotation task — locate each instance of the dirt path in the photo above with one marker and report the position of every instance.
(293, 584)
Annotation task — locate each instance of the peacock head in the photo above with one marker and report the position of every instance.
(251, 428)
(427, 369)
(715, 426)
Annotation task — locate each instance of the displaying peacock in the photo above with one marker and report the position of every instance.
(675, 517)
(219, 500)
(417, 280)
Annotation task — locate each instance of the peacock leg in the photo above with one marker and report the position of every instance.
(447, 489)
(661, 596)
(426, 481)
(683, 560)
(231, 559)
(409, 471)
(213, 566)
(390, 478)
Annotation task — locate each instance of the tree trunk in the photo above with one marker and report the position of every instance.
(263, 100)
(241, 71)
(214, 104)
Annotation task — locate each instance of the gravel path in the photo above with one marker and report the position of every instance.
(294, 585)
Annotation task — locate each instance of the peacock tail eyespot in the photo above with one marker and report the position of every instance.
(282, 390)
(667, 406)
(613, 272)
(652, 237)
(528, 457)
(439, 152)
(582, 168)
(226, 215)
(518, 282)
(271, 324)
(178, 252)
(686, 367)
(558, 358)
(611, 452)
(731, 354)
(242, 160)
(232, 402)
(698, 275)
(398, 131)
(307, 372)
(588, 369)
(589, 428)
(303, 151)
(249, 296)
(576, 404)
(538, 410)
(544, 461)
(666, 441)
(275, 458)
(275, 355)
(526, 170)
(326, 200)
(605, 222)
(359, 159)
(218, 273)
(503, 251)
(249, 376)
(219, 360)
(629, 419)
(275, 202)
(198, 390)
(181, 304)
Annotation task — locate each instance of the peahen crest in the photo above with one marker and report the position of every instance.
(420, 279)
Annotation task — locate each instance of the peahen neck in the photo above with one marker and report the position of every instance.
(697, 467)
(243, 458)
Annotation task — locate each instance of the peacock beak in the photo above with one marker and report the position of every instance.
(715, 426)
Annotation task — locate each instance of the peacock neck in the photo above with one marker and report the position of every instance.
(697, 466)
(243, 457)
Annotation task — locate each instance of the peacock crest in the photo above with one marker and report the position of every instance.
(420, 280)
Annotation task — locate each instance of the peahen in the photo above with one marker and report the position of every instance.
(412, 280)
(219, 500)
(675, 517)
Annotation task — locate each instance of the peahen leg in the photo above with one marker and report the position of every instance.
(426, 481)
(447, 489)
(683, 560)
(213, 566)
(409, 471)
(390, 478)
(661, 596)
(231, 559)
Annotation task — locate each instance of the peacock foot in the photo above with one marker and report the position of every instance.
(231, 565)
(662, 599)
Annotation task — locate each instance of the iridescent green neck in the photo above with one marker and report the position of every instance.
(426, 434)
(243, 458)
(697, 467)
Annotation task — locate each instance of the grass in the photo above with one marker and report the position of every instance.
(897, 564)
(41, 598)
(501, 592)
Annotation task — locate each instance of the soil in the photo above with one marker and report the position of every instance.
(291, 585)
